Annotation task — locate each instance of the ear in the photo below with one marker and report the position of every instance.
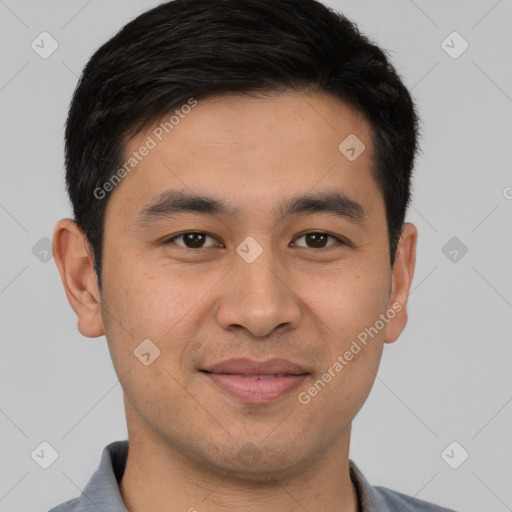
(75, 260)
(403, 272)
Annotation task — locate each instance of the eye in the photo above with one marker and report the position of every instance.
(317, 240)
(197, 239)
(191, 240)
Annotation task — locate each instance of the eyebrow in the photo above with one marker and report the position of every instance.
(174, 202)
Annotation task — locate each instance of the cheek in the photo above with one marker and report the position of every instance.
(348, 310)
(349, 301)
(151, 301)
(163, 304)
(150, 306)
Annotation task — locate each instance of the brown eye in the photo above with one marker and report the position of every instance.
(191, 240)
(317, 240)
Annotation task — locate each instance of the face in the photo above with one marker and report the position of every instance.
(284, 256)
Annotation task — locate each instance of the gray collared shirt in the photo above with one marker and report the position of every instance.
(101, 494)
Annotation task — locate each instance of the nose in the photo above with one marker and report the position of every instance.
(258, 298)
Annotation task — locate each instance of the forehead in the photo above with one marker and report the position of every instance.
(251, 150)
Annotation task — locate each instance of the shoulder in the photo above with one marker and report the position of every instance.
(398, 501)
(381, 499)
(68, 506)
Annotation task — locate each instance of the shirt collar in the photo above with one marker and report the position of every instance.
(102, 491)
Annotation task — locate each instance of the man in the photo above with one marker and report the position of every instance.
(239, 172)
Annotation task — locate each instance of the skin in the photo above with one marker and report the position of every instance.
(297, 300)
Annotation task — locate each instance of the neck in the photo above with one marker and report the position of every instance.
(165, 477)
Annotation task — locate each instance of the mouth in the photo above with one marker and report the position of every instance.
(256, 382)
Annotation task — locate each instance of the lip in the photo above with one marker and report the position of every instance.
(246, 366)
(256, 382)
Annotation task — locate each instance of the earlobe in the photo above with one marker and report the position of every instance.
(403, 273)
(74, 261)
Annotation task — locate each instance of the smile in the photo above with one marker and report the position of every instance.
(256, 389)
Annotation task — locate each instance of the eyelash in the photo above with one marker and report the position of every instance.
(170, 240)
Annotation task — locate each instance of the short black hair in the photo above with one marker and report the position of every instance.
(187, 49)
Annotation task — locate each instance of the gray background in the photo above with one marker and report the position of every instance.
(448, 378)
